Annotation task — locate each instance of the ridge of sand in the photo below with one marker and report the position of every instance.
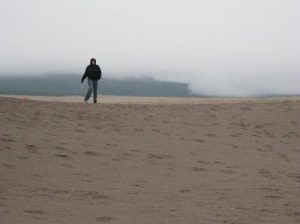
(106, 99)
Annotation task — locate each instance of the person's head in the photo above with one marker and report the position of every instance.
(93, 61)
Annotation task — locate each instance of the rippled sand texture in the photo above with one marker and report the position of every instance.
(201, 162)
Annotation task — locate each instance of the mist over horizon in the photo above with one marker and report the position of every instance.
(56, 84)
(219, 48)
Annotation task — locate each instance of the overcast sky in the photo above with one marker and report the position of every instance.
(228, 48)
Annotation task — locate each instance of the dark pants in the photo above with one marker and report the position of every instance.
(93, 87)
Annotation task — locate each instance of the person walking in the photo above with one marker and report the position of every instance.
(93, 73)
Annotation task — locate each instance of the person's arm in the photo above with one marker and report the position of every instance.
(99, 73)
(84, 75)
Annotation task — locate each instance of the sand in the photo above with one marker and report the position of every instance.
(149, 160)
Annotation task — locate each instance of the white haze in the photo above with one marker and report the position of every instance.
(223, 48)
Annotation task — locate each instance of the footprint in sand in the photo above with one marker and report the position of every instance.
(200, 140)
(32, 149)
(67, 165)
(63, 156)
(267, 174)
(34, 212)
(199, 169)
(259, 126)
(93, 195)
(90, 153)
(111, 145)
(98, 127)
(294, 123)
(61, 148)
(6, 147)
(7, 140)
(295, 176)
(203, 162)
(193, 153)
(219, 162)
(283, 156)
(9, 166)
(273, 196)
(134, 150)
(227, 171)
(135, 185)
(184, 191)
(158, 156)
(103, 219)
(236, 135)
(270, 135)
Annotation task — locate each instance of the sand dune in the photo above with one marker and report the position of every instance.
(153, 160)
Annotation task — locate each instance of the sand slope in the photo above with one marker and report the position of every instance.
(201, 162)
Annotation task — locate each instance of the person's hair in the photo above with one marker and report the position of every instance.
(92, 59)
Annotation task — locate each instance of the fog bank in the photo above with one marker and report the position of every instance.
(221, 48)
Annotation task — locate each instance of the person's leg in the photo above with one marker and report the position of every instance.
(95, 86)
(90, 89)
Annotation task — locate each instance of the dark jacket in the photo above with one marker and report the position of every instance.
(93, 72)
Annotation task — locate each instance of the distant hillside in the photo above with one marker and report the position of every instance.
(62, 85)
